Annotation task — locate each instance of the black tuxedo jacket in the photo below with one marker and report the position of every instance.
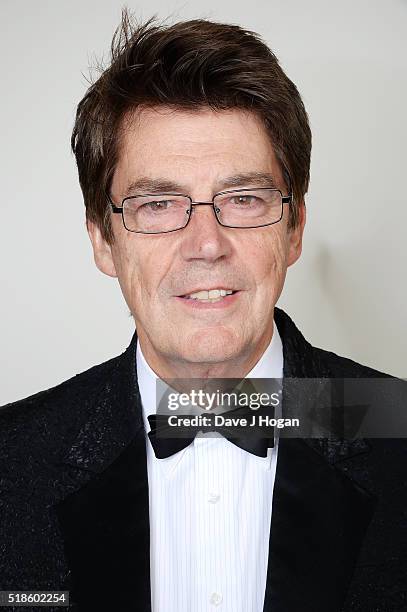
(74, 509)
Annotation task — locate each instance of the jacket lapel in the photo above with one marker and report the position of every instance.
(105, 517)
(318, 522)
(319, 515)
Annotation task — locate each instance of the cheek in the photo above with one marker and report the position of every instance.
(141, 266)
(129, 270)
(267, 256)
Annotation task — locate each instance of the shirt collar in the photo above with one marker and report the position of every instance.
(270, 365)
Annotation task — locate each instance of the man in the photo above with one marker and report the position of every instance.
(193, 152)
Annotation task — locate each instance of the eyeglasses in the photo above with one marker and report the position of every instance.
(162, 213)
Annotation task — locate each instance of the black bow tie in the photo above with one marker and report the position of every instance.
(164, 445)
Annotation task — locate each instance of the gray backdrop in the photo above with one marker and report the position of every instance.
(59, 315)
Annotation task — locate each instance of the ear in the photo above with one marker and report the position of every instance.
(295, 236)
(102, 251)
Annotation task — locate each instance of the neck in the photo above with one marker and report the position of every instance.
(170, 367)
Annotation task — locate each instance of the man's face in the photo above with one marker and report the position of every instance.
(199, 152)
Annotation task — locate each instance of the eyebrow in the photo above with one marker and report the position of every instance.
(164, 185)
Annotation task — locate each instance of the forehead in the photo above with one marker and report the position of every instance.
(198, 145)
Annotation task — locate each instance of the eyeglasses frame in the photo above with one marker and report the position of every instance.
(119, 209)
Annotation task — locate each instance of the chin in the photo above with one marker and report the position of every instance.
(211, 346)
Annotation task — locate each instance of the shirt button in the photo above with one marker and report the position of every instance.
(213, 498)
(216, 599)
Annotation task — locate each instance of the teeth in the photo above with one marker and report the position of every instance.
(200, 295)
(212, 295)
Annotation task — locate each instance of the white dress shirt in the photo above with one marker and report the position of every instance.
(210, 513)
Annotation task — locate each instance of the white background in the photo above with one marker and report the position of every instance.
(59, 315)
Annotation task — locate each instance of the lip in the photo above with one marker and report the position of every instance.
(225, 302)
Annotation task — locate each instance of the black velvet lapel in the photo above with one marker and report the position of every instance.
(319, 518)
(319, 515)
(106, 535)
(105, 520)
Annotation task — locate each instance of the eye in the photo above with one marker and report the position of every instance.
(157, 205)
(244, 199)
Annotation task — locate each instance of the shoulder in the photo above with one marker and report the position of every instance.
(67, 391)
(302, 359)
(340, 366)
(51, 418)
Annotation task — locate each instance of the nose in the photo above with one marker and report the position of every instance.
(204, 238)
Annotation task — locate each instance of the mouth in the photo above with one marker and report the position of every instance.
(221, 296)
